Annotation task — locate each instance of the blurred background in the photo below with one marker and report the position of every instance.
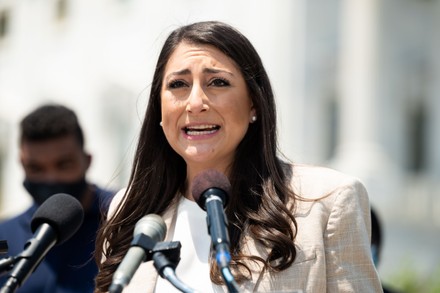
(357, 84)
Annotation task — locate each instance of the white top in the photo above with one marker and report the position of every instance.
(192, 232)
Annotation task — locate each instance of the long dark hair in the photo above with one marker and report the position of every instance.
(260, 181)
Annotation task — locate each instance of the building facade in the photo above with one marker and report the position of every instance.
(357, 84)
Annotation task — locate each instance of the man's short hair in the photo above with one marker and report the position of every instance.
(49, 122)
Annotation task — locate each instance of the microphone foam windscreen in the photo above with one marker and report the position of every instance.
(209, 179)
(62, 212)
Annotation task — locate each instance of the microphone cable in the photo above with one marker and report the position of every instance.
(166, 270)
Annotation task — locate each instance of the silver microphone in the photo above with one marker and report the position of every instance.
(151, 228)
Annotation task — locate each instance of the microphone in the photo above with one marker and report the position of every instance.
(149, 230)
(55, 221)
(210, 190)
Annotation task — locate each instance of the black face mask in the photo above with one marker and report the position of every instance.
(40, 191)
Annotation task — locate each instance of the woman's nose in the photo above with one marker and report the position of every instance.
(197, 100)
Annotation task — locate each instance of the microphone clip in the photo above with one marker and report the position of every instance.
(145, 242)
(166, 255)
(171, 249)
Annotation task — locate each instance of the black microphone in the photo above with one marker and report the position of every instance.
(149, 230)
(210, 189)
(55, 221)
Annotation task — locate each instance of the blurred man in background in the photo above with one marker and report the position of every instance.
(54, 161)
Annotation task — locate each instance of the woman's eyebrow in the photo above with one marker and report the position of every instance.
(205, 70)
(178, 73)
(215, 70)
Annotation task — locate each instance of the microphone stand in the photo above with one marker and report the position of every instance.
(229, 280)
(223, 257)
(7, 263)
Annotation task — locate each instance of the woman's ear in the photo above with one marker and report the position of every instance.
(253, 115)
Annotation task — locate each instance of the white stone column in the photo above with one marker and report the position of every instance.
(433, 113)
(359, 151)
(358, 67)
(434, 100)
(280, 40)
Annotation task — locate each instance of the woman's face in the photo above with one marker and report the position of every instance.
(206, 108)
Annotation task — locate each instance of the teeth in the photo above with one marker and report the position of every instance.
(193, 132)
(203, 129)
(203, 126)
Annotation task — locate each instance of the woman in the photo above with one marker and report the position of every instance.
(291, 227)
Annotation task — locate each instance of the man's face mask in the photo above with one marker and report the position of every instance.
(40, 191)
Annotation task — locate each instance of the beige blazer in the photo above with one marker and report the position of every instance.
(333, 240)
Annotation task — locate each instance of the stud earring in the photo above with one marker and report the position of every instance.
(160, 123)
(254, 118)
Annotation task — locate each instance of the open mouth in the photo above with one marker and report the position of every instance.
(203, 129)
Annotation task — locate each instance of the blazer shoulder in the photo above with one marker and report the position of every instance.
(315, 182)
(115, 201)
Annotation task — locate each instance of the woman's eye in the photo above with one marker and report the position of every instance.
(176, 84)
(220, 82)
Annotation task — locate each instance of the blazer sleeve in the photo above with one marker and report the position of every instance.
(349, 265)
(117, 199)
